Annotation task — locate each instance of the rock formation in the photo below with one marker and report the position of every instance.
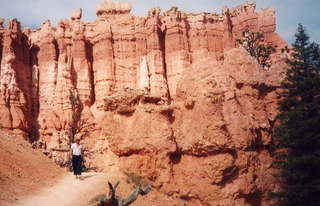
(15, 79)
(170, 95)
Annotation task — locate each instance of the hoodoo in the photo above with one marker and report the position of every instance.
(171, 96)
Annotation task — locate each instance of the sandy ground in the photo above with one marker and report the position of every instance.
(68, 191)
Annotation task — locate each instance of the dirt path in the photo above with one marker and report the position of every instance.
(69, 191)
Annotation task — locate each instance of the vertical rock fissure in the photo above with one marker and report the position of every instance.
(89, 56)
(34, 50)
(113, 63)
(188, 28)
(164, 62)
(149, 74)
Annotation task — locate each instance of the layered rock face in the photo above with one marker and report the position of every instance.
(170, 96)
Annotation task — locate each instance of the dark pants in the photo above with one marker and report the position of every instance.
(77, 164)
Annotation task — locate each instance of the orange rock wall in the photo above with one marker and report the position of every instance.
(169, 95)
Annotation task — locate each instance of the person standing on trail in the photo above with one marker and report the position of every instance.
(77, 158)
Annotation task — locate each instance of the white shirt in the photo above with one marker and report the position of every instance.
(76, 149)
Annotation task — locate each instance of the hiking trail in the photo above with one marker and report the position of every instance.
(69, 191)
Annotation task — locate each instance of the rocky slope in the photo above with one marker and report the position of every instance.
(168, 97)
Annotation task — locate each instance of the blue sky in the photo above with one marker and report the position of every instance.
(32, 13)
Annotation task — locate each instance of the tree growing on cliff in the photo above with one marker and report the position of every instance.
(298, 135)
(78, 126)
(253, 42)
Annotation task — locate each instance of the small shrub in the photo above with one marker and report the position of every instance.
(253, 42)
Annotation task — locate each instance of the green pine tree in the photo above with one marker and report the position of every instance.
(298, 135)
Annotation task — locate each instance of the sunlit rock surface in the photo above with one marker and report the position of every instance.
(170, 97)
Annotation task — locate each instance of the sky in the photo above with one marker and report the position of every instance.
(31, 13)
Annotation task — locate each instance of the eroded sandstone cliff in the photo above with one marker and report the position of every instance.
(169, 97)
